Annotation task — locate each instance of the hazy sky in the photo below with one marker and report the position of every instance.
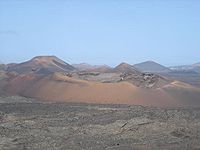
(101, 31)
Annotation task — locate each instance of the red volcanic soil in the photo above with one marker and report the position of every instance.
(20, 83)
(58, 87)
(41, 65)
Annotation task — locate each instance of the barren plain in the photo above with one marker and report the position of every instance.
(29, 124)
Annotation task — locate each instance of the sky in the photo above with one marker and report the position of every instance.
(101, 31)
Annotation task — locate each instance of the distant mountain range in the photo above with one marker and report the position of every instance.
(3, 67)
(148, 66)
(195, 68)
(197, 64)
(151, 66)
(42, 64)
(94, 68)
(50, 78)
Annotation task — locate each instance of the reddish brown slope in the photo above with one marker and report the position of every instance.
(58, 87)
(42, 65)
(126, 68)
(124, 85)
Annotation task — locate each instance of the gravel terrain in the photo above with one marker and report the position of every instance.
(28, 124)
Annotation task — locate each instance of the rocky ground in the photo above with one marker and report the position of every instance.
(143, 80)
(28, 124)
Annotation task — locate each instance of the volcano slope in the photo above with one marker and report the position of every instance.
(49, 78)
(41, 65)
(152, 90)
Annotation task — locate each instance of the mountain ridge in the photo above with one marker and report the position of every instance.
(151, 66)
(50, 78)
(42, 65)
